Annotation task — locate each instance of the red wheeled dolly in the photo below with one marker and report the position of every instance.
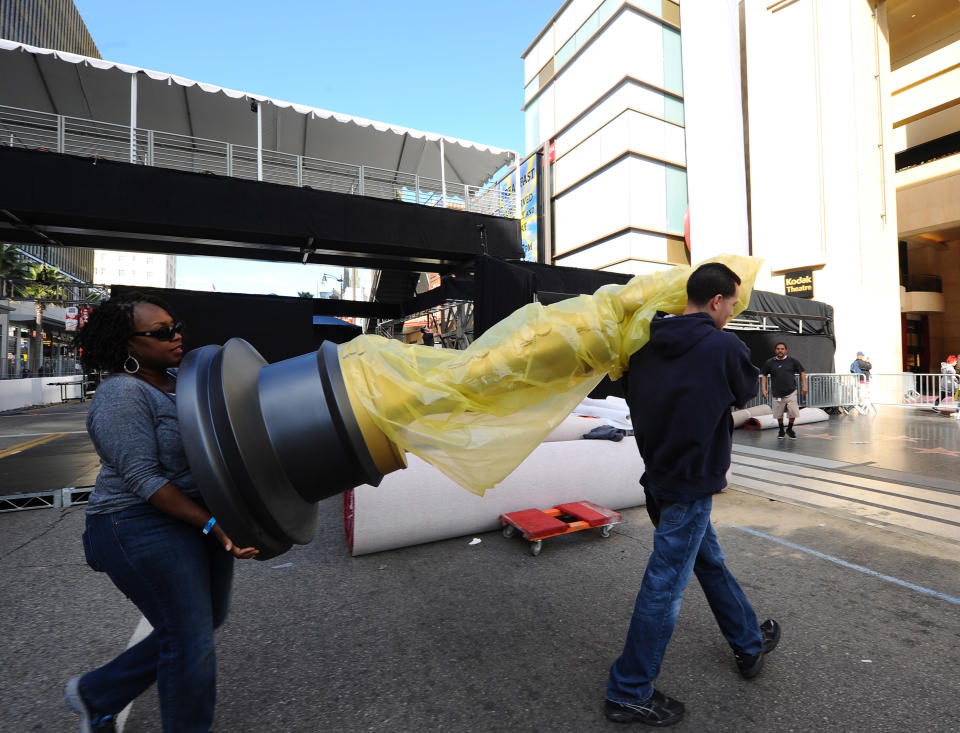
(537, 525)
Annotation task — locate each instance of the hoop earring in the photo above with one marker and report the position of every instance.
(127, 369)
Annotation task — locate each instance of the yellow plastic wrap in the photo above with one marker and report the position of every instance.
(476, 414)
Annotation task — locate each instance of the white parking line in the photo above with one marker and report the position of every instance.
(30, 435)
(851, 566)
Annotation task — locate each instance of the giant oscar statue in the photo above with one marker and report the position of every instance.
(266, 442)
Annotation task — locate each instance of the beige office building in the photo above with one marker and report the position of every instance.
(820, 135)
(135, 268)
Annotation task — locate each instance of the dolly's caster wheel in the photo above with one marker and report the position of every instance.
(606, 530)
(509, 530)
(535, 547)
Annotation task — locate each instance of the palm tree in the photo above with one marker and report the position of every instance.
(305, 294)
(11, 267)
(43, 290)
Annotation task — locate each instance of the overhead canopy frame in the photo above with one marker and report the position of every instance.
(79, 86)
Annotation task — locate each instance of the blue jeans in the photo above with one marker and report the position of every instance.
(180, 580)
(683, 543)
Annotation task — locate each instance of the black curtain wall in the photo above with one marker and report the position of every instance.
(502, 287)
(278, 327)
(814, 351)
(786, 312)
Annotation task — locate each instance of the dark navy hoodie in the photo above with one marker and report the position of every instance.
(679, 389)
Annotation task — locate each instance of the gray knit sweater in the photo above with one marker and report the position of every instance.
(135, 432)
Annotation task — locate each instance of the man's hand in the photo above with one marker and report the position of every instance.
(804, 390)
(764, 393)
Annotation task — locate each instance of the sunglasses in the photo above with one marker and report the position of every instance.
(164, 333)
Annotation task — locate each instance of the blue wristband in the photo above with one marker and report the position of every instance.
(209, 525)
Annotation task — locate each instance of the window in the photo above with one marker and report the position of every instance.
(585, 32)
(672, 61)
(676, 198)
(673, 109)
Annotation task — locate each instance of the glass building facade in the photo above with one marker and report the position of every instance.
(603, 98)
(48, 24)
(52, 24)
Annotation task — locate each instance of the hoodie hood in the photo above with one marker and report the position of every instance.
(673, 336)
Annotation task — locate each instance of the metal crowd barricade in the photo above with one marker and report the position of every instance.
(843, 391)
(833, 390)
(849, 392)
(911, 390)
(758, 400)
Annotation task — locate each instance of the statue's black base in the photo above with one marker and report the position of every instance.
(266, 442)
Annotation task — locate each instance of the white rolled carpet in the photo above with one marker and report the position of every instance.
(613, 409)
(807, 415)
(420, 504)
(741, 416)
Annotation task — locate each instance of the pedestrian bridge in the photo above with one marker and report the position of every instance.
(37, 130)
(101, 154)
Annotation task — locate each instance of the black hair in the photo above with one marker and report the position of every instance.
(783, 344)
(710, 279)
(103, 339)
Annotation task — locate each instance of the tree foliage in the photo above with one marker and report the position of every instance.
(12, 266)
(44, 288)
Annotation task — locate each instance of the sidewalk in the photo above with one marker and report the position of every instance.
(457, 637)
(915, 441)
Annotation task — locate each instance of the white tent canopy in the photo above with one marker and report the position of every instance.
(79, 86)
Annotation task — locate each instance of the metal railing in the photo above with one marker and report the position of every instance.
(823, 391)
(851, 390)
(65, 367)
(912, 390)
(21, 128)
(51, 499)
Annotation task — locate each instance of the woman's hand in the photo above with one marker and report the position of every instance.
(241, 553)
(170, 500)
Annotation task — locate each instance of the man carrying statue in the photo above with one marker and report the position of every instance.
(680, 387)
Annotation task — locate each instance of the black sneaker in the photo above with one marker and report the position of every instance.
(791, 434)
(90, 721)
(780, 434)
(659, 711)
(751, 664)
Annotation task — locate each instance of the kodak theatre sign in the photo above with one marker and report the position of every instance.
(799, 283)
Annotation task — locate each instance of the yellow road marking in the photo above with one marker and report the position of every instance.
(26, 445)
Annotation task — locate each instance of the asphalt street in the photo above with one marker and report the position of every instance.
(451, 636)
(46, 448)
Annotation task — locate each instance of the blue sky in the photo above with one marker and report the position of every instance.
(447, 67)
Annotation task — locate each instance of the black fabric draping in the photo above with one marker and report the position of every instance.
(784, 310)
(814, 351)
(110, 205)
(502, 287)
(330, 328)
(450, 288)
(278, 327)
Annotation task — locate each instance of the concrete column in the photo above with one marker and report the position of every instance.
(713, 112)
(821, 165)
(133, 118)
(443, 176)
(4, 343)
(17, 366)
(259, 141)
